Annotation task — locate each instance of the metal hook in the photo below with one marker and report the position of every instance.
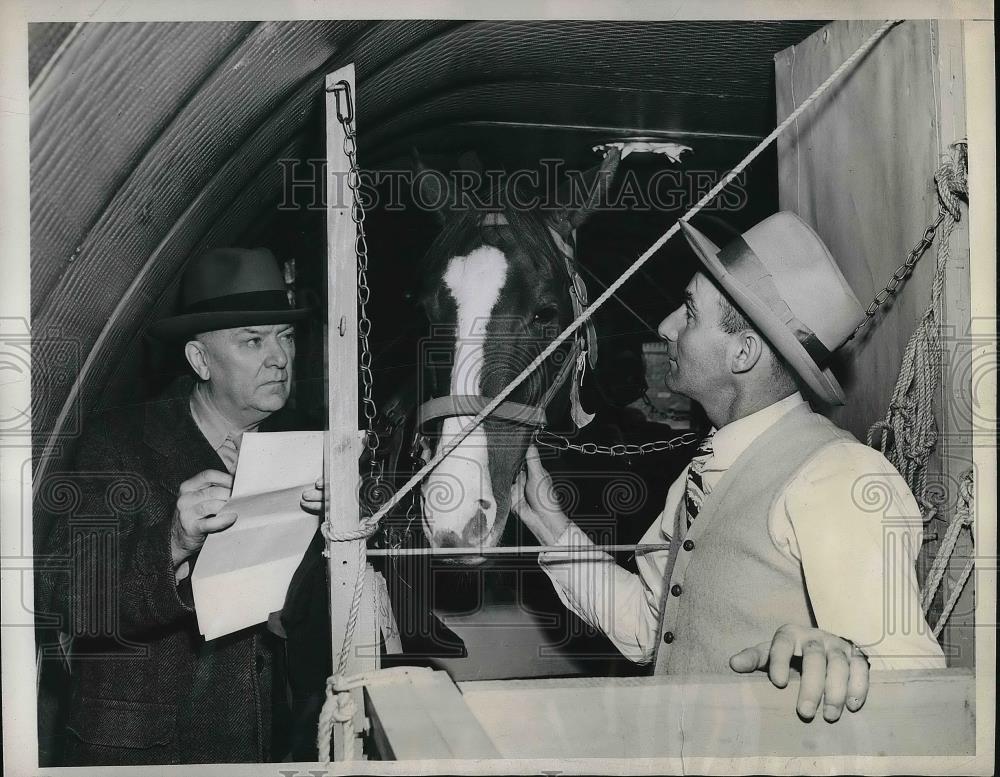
(345, 87)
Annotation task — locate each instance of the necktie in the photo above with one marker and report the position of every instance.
(228, 452)
(694, 494)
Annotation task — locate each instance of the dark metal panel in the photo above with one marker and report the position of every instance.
(722, 58)
(573, 105)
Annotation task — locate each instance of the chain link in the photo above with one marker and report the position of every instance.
(560, 443)
(372, 440)
(901, 274)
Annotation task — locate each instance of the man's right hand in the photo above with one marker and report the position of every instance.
(534, 499)
(197, 513)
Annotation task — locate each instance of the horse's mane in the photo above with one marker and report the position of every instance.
(464, 231)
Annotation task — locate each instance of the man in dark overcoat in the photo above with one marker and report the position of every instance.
(146, 688)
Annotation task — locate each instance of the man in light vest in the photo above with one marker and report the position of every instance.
(788, 537)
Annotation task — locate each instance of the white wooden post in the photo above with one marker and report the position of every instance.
(344, 440)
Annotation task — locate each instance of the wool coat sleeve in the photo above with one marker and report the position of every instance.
(109, 571)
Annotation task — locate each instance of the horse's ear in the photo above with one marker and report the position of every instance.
(583, 193)
(433, 192)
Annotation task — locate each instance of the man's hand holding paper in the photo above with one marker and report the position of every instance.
(243, 573)
(199, 512)
(312, 498)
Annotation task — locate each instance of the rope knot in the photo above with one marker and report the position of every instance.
(952, 179)
(345, 708)
(365, 530)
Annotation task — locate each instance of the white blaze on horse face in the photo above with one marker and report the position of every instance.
(458, 495)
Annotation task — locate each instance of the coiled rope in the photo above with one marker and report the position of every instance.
(335, 707)
(908, 434)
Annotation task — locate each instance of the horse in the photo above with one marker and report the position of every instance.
(500, 283)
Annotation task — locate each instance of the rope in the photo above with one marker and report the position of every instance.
(339, 706)
(332, 705)
(963, 518)
(525, 550)
(908, 433)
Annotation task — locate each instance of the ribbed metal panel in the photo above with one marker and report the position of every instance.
(572, 105)
(95, 114)
(43, 40)
(721, 58)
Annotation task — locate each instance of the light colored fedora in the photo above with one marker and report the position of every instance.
(226, 288)
(783, 278)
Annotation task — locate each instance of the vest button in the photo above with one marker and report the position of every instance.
(675, 589)
(688, 545)
(668, 637)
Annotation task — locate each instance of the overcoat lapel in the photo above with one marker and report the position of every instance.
(170, 430)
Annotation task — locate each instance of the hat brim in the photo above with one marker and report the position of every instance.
(821, 381)
(190, 324)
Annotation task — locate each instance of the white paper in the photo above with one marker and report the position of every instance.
(242, 574)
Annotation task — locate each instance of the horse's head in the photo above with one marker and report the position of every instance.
(497, 292)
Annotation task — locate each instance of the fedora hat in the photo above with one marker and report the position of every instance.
(226, 288)
(784, 280)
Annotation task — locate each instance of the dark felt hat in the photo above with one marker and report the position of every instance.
(226, 288)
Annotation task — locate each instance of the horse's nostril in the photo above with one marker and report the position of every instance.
(476, 529)
(446, 539)
(484, 503)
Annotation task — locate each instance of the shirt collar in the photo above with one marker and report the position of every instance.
(212, 424)
(735, 437)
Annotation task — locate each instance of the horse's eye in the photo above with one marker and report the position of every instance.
(546, 315)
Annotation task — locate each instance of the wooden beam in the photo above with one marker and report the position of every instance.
(344, 441)
(424, 716)
(955, 394)
(907, 713)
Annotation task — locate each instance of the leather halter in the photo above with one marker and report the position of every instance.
(584, 351)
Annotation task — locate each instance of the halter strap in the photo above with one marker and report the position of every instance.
(584, 350)
(471, 404)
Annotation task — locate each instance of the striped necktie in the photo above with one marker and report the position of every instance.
(229, 451)
(695, 492)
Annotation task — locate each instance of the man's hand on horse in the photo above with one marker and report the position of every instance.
(197, 515)
(534, 499)
(834, 670)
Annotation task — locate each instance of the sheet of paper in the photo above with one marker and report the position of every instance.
(271, 461)
(242, 574)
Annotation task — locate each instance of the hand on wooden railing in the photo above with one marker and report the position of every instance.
(834, 670)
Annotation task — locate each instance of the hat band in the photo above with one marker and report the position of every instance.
(272, 299)
(740, 261)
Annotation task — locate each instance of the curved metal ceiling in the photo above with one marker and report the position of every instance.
(151, 140)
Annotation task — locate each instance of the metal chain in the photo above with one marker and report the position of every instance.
(561, 443)
(902, 273)
(372, 440)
